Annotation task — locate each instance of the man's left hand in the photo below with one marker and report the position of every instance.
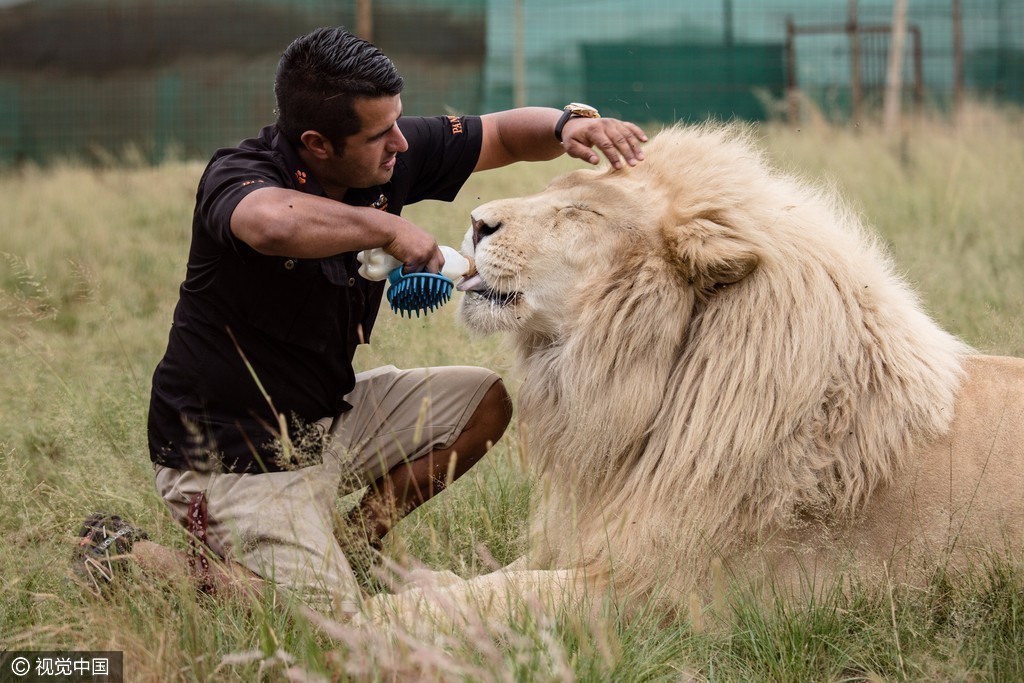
(618, 140)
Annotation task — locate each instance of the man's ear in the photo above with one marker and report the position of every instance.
(709, 254)
(317, 144)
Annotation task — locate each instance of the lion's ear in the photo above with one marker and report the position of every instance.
(709, 254)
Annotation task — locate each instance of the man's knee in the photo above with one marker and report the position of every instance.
(494, 412)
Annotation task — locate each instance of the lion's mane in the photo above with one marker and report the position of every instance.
(756, 364)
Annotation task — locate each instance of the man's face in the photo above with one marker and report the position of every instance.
(368, 158)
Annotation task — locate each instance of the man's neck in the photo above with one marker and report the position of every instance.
(333, 192)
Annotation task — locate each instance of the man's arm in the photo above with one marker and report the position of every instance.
(280, 222)
(528, 134)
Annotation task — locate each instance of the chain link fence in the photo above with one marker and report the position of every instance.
(148, 79)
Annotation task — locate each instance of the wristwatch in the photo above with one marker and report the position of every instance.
(574, 110)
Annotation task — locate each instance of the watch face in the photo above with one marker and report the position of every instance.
(585, 110)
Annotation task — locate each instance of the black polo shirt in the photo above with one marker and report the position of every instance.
(255, 337)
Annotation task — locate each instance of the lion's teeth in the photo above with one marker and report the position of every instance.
(472, 283)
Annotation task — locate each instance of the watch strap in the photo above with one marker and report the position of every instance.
(566, 115)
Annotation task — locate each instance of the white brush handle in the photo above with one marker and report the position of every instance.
(377, 263)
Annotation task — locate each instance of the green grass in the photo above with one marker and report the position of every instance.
(90, 262)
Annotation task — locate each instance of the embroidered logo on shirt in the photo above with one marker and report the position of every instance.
(301, 177)
(381, 203)
(456, 123)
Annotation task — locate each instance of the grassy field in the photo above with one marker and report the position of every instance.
(90, 262)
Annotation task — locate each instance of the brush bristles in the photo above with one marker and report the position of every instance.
(419, 292)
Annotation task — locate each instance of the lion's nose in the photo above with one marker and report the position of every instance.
(482, 229)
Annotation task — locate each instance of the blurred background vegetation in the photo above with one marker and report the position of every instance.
(95, 78)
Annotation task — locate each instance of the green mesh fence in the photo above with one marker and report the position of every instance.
(99, 79)
(151, 78)
(628, 80)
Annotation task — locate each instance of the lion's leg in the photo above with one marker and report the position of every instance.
(402, 580)
(518, 565)
(421, 578)
(466, 605)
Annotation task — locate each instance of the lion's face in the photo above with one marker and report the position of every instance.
(535, 254)
(543, 259)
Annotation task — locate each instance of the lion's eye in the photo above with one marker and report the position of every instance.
(570, 210)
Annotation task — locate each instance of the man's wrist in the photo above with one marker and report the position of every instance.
(574, 110)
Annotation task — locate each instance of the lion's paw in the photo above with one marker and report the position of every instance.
(426, 578)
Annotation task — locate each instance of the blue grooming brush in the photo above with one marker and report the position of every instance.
(419, 292)
(408, 292)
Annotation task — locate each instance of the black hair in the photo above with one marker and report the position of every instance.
(318, 78)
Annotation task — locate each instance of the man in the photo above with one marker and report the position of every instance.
(257, 420)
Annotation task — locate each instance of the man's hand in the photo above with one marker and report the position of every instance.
(415, 248)
(527, 134)
(617, 139)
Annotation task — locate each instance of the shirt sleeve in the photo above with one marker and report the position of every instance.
(227, 180)
(442, 154)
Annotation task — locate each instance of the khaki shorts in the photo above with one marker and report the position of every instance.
(280, 525)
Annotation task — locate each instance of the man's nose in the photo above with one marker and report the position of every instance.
(398, 143)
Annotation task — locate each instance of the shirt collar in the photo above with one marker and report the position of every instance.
(302, 178)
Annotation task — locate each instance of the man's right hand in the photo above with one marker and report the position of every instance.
(414, 247)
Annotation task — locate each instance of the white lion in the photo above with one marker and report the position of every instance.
(718, 361)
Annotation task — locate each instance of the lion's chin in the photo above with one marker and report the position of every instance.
(486, 314)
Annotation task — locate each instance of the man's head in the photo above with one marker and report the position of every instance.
(320, 77)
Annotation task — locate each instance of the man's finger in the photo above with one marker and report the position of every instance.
(578, 150)
(435, 264)
(431, 266)
(610, 150)
(627, 138)
(618, 140)
(434, 261)
(636, 130)
(625, 148)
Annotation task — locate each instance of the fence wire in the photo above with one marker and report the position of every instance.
(96, 78)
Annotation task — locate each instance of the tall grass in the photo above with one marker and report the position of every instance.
(90, 262)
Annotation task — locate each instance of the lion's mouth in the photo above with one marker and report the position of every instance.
(475, 285)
